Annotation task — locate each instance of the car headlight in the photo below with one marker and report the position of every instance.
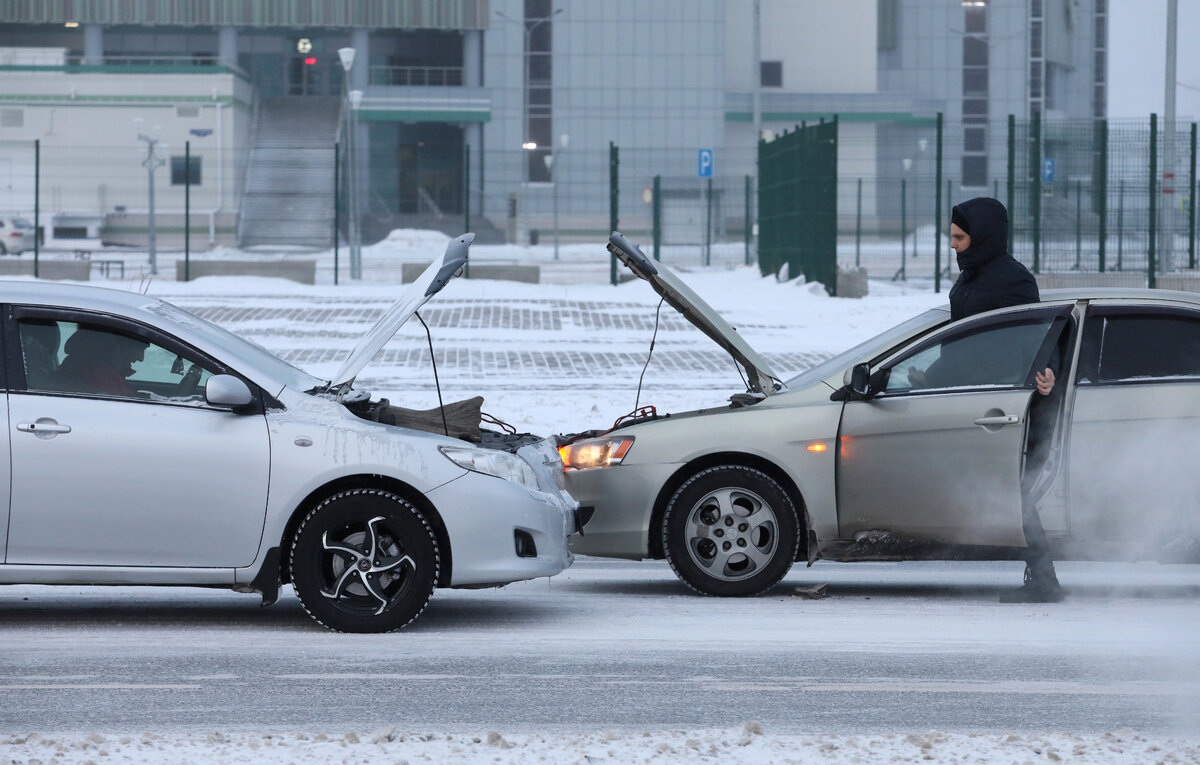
(494, 463)
(595, 452)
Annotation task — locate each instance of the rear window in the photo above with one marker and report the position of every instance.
(1139, 347)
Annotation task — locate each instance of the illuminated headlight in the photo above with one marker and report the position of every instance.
(595, 452)
(493, 463)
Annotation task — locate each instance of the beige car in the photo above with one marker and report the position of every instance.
(861, 459)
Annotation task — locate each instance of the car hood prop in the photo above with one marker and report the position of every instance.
(759, 375)
(429, 283)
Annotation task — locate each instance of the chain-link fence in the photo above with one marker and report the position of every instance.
(661, 202)
(1084, 196)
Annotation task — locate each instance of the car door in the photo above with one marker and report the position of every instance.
(148, 475)
(935, 456)
(1133, 445)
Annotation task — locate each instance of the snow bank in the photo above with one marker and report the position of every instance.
(748, 743)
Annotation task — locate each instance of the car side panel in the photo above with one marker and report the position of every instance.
(6, 478)
(1132, 469)
(918, 466)
(135, 484)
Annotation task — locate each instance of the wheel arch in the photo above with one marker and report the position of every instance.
(383, 483)
(672, 484)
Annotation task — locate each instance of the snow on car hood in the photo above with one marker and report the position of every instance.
(759, 375)
(428, 284)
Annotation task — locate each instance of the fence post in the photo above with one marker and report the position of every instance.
(467, 188)
(1192, 190)
(187, 211)
(37, 210)
(1036, 193)
(1102, 192)
(1012, 178)
(903, 273)
(1150, 253)
(337, 204)
(1120, 221)
(746, 219)
(937, 212)
(1079, 223)
(708, 223)
(858, 229)
(613, 162)
(657, 212)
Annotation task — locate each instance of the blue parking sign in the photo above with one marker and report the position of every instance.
(704, 166)
(1047, 170)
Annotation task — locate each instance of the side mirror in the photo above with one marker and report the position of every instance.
(228, 392)
(860, 379)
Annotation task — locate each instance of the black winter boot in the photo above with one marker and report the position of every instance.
(1042, 587)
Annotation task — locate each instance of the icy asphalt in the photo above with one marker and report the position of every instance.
(606, 646)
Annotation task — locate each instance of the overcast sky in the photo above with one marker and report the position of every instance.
(1137, 57)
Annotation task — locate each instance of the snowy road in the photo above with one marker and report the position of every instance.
(611, 660)
(621, 645)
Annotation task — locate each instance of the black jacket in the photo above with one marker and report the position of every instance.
(991, 277)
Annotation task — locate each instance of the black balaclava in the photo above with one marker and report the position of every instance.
(986, 221)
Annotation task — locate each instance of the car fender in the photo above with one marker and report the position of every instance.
(802, 424)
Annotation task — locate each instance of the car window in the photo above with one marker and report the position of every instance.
(1121, 346)
(995, 354)
(886, 339)
(69, 357)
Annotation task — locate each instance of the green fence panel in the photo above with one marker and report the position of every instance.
(797, 207)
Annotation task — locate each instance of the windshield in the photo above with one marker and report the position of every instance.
(237, 347)
(21, 223)
(825, 369)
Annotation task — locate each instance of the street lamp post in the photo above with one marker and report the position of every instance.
(152, 162)
(355, 228)
(353, 98)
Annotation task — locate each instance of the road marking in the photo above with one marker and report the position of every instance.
(99, 686)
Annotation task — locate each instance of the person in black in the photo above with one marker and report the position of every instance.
(992, 278)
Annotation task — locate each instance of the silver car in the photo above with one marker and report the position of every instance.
(150, 447)
(911, 445)
(16, 235)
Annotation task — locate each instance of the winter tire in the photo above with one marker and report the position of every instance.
(364, 560)
(730, 531)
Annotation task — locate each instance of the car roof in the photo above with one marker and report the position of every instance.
(74, 296)
(1118, 293)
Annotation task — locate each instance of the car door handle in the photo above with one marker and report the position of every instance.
(43, 427)
(1003, 419)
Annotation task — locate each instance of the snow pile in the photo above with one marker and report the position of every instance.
(748, 743)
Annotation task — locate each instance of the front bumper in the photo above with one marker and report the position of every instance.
(491, 522)
(620, 500)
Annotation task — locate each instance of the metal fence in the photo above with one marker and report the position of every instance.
(1084, 196)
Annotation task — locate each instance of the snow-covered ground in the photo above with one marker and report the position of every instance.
(749, 744)
(789, 322)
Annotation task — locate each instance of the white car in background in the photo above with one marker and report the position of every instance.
(16, 235)
(204, 460)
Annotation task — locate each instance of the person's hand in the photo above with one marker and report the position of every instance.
(916, 378)
(1045, 381)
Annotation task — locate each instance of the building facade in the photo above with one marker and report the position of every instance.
(506, 109)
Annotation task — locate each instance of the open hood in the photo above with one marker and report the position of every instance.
(428, 284)
(759, 375)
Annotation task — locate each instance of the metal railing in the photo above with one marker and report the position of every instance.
(421, 76)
